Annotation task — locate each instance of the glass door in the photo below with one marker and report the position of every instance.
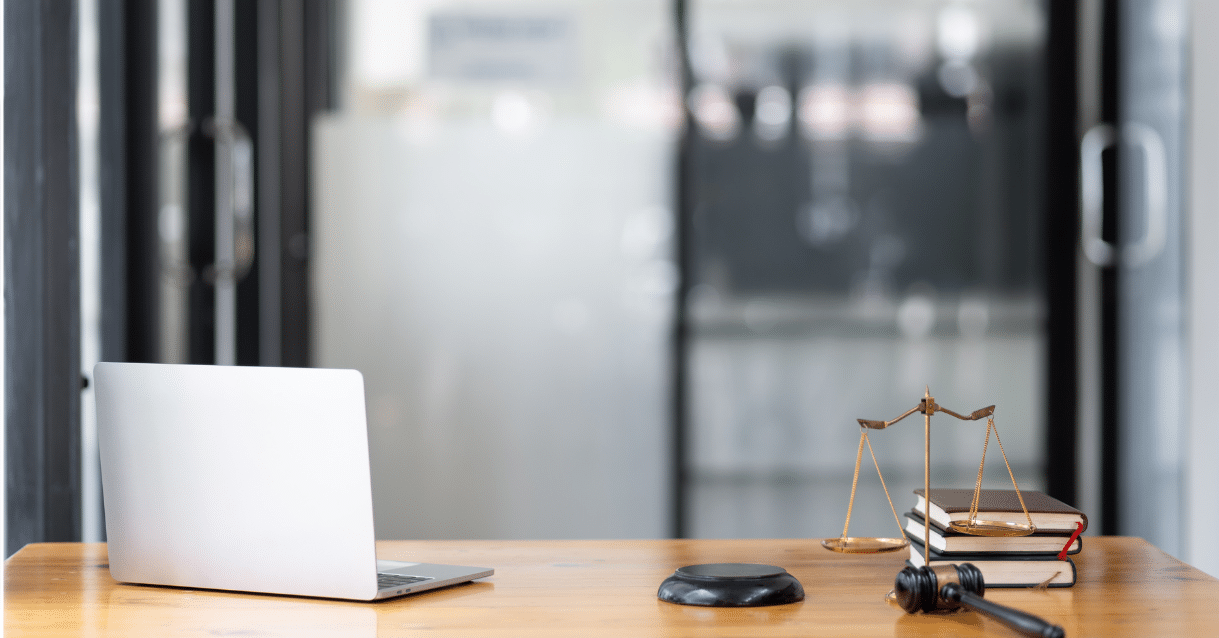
(865, 215)
(1132, 252)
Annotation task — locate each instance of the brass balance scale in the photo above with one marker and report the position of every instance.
(869, 545)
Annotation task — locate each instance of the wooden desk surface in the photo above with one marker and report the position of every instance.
(585, 589)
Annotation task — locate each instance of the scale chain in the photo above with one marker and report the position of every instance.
(1012, 475)
(885, 487)
(846, 526)
(973, 505)
(854, 482)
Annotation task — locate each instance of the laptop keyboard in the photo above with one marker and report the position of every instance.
(397, 580)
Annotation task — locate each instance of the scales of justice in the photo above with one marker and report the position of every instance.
(971, 525)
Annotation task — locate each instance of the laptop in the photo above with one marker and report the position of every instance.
(249, 479)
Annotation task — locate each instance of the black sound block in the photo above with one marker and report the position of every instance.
(731, 585)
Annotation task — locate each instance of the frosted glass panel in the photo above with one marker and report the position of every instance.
(1151, 326)
(493, 251)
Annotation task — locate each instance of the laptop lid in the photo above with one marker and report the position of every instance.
(242, 478)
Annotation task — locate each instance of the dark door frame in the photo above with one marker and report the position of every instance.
(1061, 241)
(42, 380)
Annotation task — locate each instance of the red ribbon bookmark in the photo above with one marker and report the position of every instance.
(1079, 528)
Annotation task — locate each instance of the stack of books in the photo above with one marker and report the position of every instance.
(1005, 561)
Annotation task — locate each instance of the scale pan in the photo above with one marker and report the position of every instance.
(991, 528)
(864, 545)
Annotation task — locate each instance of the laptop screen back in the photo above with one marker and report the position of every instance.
(241, 478)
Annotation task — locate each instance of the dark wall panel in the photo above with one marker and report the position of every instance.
(1061, 239)
(140, 278)
(42, 274)
(307, 33)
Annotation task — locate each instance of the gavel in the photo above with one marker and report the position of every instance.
(947, 587)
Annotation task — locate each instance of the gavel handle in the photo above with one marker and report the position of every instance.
(1025, 623)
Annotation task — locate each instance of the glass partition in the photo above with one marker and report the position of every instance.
(492, 249)
(866, 225)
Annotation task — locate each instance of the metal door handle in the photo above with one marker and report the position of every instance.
(231, 137)
(1155, 163)
(1092, 194)
(1092, 198)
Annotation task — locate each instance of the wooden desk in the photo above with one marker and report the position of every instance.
(586, 589)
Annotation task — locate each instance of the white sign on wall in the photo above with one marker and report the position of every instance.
(516, 47)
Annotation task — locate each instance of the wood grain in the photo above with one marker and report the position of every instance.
(587, 589)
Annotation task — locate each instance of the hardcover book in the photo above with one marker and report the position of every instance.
(1048, 513)
(950, 543)
(1007, 570)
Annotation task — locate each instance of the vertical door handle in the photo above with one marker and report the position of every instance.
(234, 228)
(1092, 198)
(1092, 194)
(232, 138)
(238, 196)
(171, 221)
(1155, 184)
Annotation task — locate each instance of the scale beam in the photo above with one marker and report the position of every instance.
(928, 406)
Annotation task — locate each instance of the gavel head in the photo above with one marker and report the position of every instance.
(919, 588)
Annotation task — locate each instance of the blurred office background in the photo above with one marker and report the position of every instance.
(634, 268)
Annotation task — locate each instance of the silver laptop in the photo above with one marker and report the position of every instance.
(244, 478)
